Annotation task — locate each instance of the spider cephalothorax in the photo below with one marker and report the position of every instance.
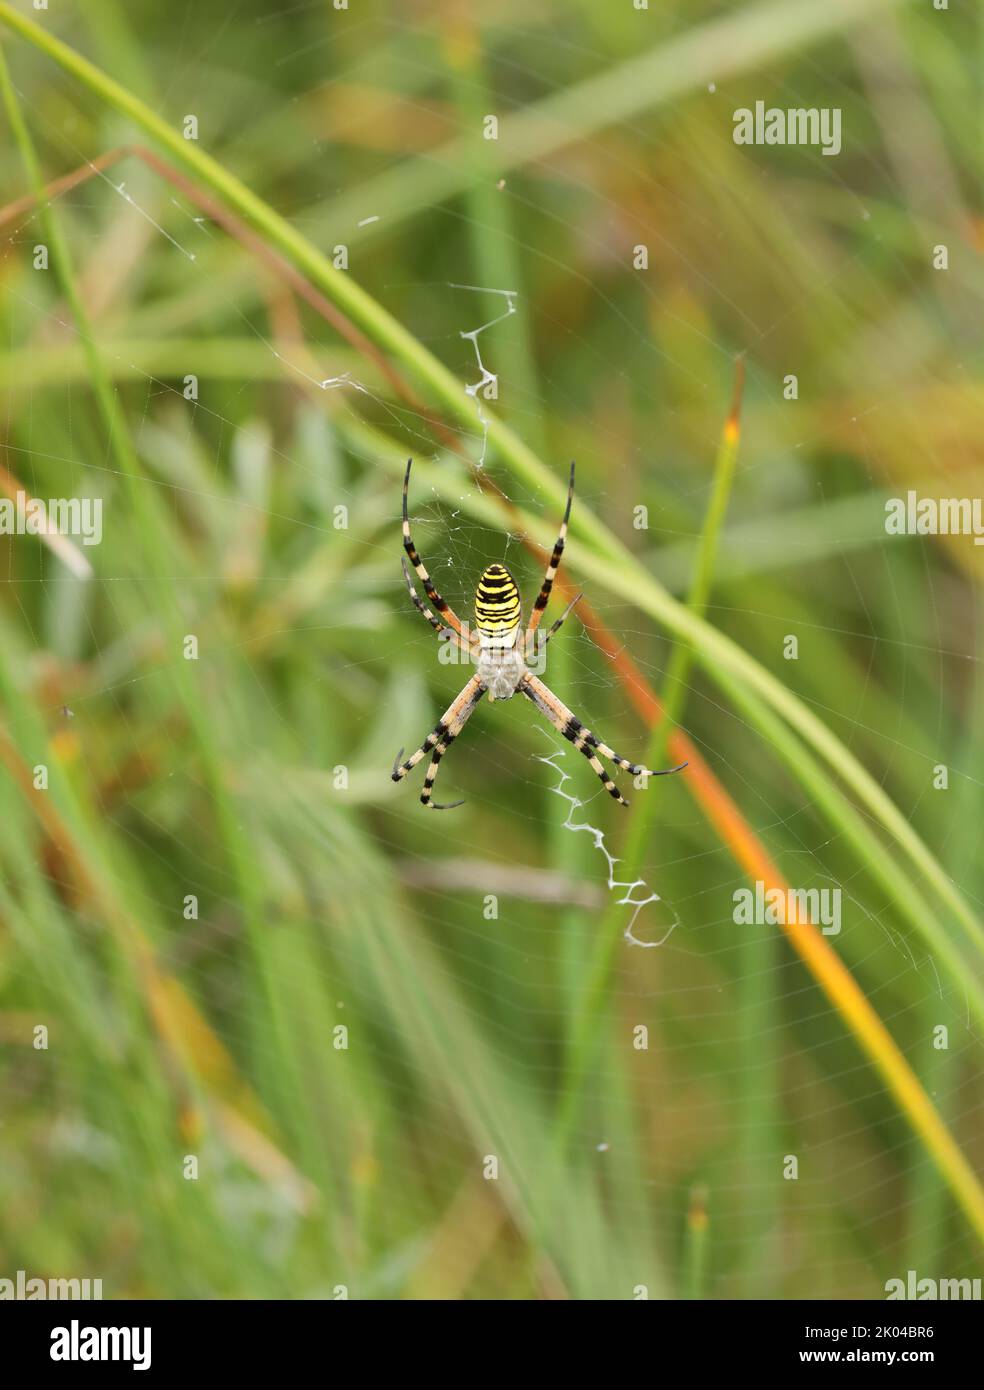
(500, 650)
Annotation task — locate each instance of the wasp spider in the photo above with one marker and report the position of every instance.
(499, 651)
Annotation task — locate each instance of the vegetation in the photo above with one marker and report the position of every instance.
(267, 1027)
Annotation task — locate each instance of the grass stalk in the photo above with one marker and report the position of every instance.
(591, 998)
(150, 526)
(695, 1251)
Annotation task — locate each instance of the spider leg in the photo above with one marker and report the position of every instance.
(558, 720)
(555, 627)
(440, 628)
(439, 603)
(433, 768)
(543, 597)
(582, 738)
(437, 742)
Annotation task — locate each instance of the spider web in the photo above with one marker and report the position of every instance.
(734, 1024)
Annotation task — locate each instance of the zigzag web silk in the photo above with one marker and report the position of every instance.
(486, 378)
(628, 900)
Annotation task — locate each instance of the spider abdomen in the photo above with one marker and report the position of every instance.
(497, 603)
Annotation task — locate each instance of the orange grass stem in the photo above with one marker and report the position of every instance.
(827, 968)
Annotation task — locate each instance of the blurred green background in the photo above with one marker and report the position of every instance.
(255, 778)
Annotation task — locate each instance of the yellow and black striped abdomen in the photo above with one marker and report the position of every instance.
(497, 603)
